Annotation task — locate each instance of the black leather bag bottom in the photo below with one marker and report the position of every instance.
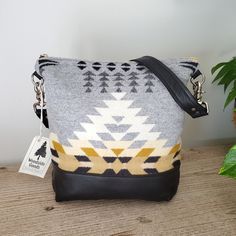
(71, 186)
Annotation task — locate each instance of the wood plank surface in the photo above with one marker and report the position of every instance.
(204, 205)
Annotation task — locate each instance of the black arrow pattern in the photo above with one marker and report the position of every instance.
(88, 78)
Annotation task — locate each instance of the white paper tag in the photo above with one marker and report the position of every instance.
(37, 159)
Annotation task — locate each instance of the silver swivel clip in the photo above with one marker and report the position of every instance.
(39, 90)
(198, 90)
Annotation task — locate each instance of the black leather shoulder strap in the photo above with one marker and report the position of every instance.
(174, 85)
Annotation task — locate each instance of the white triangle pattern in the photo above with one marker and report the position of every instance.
(114, 108)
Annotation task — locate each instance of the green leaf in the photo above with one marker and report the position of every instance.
(216, 67)
(226, 85)
(229, 164)
(228, 77)
(226, 66)
(222, 72)
(231, 97)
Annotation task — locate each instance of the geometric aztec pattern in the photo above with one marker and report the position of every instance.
(104, 71)
(118, 81)
(116, 142)
(92, 163)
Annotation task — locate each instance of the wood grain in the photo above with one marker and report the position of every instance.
(204, 205)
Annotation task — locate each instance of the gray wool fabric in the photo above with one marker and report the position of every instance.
(78, 91)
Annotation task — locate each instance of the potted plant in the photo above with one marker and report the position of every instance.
(225, 75)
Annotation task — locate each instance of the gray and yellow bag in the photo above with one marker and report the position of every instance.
(115, 127)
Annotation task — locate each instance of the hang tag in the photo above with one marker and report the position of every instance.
(38, 158)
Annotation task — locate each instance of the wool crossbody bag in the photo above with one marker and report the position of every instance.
(115, 127)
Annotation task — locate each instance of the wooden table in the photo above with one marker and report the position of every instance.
(204, 205)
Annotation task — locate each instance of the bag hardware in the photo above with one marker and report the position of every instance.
(39, 90)
(198, 90)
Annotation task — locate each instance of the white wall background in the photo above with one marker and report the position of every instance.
(105, 30)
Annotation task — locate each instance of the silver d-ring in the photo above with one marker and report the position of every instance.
(40, 81)
(201, 80)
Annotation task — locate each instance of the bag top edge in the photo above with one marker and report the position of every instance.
(73, 59)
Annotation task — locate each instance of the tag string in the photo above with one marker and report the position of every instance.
(41, 116)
